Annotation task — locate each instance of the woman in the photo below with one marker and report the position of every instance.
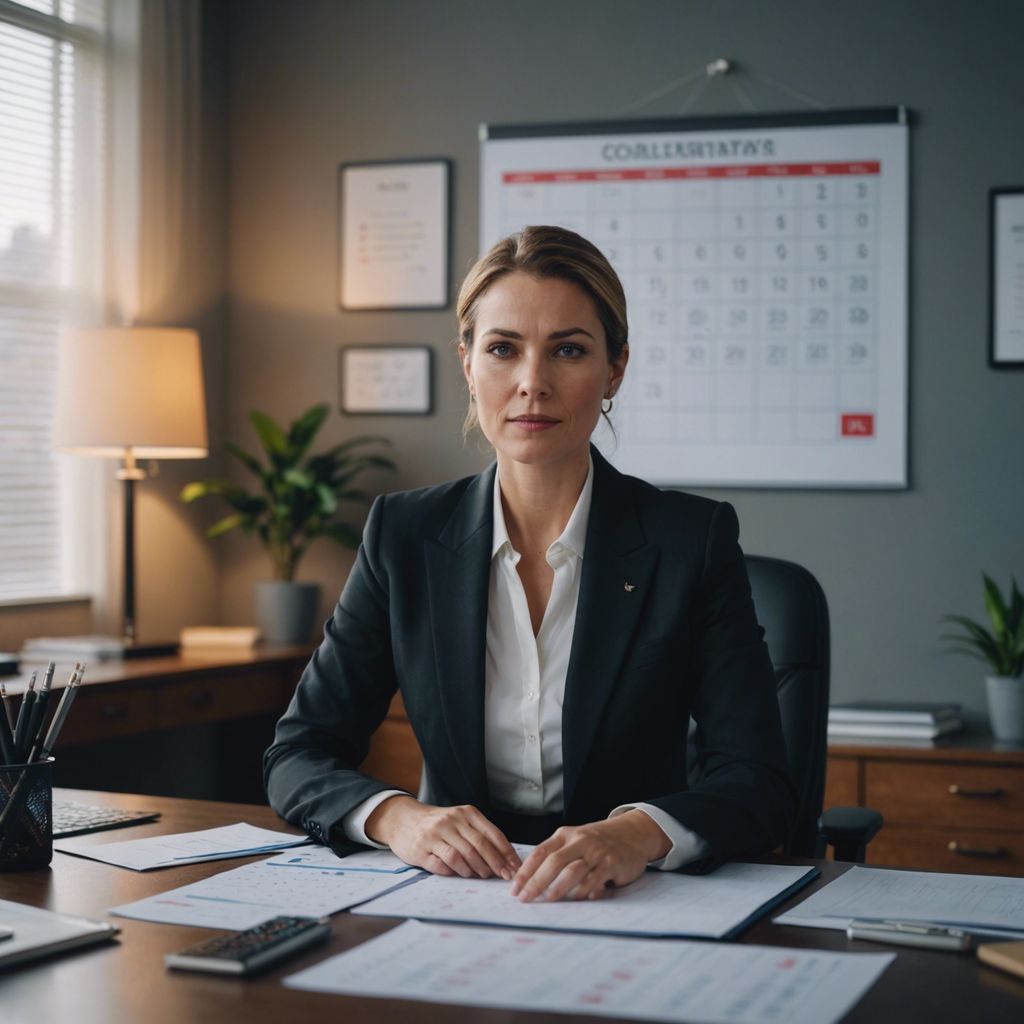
(551, 624)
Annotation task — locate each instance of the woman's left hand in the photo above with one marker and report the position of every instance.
(582, 862)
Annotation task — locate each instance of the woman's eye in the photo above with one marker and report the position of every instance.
(501, 349)
(570, 351)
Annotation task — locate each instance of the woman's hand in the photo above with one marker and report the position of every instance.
(443, 840)
(582, 862)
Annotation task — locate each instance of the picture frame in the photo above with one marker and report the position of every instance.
(1006, 278)
(394, 234)
(386, 380)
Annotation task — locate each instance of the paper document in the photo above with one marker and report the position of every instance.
(185, 848)
(641, 979)
(984, 904)
(245, 896)
(713, 906)
(321, 858)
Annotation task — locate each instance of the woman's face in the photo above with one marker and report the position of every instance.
(539, 369)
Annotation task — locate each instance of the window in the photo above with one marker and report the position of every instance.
(52, 101)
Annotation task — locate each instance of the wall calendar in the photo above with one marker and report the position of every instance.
(764, 260)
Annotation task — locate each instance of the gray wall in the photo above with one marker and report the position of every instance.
(320, 82)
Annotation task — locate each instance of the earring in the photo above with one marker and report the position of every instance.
(604, 411)
(472, 397)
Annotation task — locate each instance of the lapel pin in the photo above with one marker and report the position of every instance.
(629, 587)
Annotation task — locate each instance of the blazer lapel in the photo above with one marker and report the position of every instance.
(458, 573)
(618, 569)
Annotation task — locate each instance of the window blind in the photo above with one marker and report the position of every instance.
(51, 216)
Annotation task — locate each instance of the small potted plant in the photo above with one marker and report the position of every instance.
(298, 499)
(1002, 650)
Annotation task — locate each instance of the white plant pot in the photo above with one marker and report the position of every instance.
(285, 610)
(1006, 707)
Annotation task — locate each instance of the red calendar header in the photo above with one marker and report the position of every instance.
(809, 170)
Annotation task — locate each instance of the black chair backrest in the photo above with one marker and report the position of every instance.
(792, 609)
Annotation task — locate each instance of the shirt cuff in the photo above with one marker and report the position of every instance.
(686, 844)
(354, 823)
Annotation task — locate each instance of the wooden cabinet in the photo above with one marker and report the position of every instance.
(394, 755)
(958, 806)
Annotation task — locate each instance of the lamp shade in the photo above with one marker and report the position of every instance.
(131, 388)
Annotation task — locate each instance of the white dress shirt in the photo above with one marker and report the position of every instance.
(524, 679)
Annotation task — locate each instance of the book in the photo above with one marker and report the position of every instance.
(894, 730)
(1007, 956)
(910, 712)
(73, 648)
(38, 933)
(220, 636)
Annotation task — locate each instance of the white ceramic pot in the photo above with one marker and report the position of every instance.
(1006, 707)
(285, 610)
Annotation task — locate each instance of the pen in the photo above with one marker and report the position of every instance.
(911, 933)
(8, 709)
(33, 734)
(57, 722)
(24, 714)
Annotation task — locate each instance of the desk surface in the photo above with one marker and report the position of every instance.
(127, 982)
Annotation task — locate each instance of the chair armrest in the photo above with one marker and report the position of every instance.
(849, 830)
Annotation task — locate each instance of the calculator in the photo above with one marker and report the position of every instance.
(253, 949)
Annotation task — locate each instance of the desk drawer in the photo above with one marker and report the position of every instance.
(100, 713)
(961, 850)
(218, 699)
(959, 795)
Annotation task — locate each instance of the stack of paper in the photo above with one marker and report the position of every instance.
(981, 904)
(893, 720)
(240, 840)
(715, 906)
(643, 979)
(245, 896)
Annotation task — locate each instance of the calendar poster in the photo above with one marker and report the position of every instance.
(764, 261)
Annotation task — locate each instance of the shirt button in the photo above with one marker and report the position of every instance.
(529, 694)
(532, 738)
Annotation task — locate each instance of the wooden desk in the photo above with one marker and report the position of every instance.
(957, 806)
(127, 983)
(192, 725)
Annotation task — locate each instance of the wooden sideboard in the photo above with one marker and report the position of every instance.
(956, 806)
(192, 725)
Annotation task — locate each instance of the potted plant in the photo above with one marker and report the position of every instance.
(1002, 649)
(298, 499)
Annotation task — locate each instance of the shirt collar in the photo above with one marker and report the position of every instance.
(573, 537)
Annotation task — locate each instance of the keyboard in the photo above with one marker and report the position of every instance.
(72, 819)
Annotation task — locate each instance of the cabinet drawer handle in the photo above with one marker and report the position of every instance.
(989, 853)
(113, 712)
(984, 793)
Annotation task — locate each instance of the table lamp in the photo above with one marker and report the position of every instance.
(131, 393)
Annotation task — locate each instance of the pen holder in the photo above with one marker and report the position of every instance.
(26, 816)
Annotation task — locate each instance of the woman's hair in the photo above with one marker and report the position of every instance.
(543, 251)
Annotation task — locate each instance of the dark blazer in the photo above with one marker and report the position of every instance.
(665, 630)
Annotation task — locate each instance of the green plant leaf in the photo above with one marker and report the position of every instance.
(994, 605)
(227, 523)
(304, 429)
(270, 433)
(249, 461)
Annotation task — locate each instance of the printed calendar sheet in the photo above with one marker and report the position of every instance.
(765, 267)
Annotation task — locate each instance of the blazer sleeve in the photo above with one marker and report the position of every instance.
(311, 770)
(744, 801)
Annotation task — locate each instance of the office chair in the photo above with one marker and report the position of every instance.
(792, 609)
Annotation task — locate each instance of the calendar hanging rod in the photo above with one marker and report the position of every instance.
(723, 69)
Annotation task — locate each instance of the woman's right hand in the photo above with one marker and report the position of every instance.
(443, 840)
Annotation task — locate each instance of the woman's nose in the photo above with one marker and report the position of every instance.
(533, 380)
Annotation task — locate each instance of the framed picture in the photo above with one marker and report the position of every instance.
(1006, 278)
(394, 234)
(386, 380)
